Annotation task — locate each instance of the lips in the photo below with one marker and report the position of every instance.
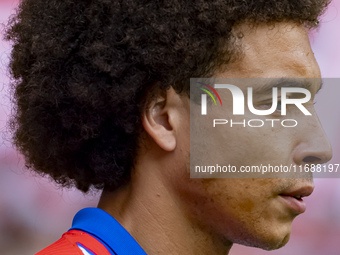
(294, 198)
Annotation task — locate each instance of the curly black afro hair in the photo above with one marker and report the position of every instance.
(81, 70)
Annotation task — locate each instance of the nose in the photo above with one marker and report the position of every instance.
(314, 146)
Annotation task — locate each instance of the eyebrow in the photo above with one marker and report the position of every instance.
(267, 88)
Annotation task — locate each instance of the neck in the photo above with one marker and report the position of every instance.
(157, 219)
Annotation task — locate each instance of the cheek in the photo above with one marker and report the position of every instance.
(244, 142)
(223, 205)
(240, 211)
(249, 219)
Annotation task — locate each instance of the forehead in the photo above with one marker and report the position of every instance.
(274, 50)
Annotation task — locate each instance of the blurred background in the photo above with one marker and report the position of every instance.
(34, 212)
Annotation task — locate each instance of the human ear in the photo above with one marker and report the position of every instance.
(160, 117)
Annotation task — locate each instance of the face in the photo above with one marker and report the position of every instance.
(259, 211)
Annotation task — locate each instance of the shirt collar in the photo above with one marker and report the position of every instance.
(106, 229)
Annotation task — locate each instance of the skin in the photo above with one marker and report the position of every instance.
(169, 213)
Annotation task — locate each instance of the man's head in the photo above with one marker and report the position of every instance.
(102, 100)
(255, 211)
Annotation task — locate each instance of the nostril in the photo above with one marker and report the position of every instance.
(311, 159)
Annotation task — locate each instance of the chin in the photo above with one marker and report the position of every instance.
(266, 242)
(273, 236)
(276, 245)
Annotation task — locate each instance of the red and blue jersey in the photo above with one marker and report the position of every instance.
(94, 232)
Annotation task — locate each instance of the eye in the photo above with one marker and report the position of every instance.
(278, 109)
(269, 105)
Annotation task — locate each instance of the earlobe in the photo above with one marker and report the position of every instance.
(157, 121)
